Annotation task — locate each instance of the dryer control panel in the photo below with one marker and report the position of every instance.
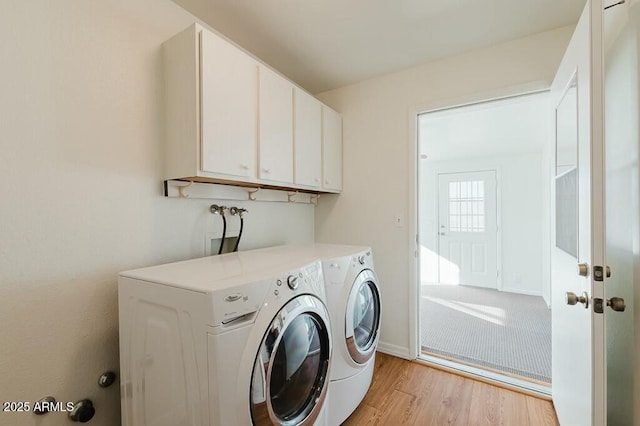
(363, 259)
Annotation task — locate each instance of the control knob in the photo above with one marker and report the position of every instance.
(361, 259)
(292, 282)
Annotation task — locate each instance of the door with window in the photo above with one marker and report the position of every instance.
(467, 228)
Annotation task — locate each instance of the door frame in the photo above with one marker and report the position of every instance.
(414, 231)
(498, 172)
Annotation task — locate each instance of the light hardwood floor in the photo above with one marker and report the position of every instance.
(409, 393)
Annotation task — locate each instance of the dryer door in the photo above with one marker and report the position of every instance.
(288, 384)
(362, 320)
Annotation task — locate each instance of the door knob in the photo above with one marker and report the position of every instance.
(572, 298)
(617, 304)
(583, 269)
(442, 233)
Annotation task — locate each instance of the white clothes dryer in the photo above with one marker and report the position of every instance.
(238, 339)
(353, 299)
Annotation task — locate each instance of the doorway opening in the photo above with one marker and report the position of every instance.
(483, 234)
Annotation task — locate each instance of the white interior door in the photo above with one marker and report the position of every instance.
(578, 237)
(467, 230)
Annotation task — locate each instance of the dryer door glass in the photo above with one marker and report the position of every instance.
(291, 368)
(363, 317)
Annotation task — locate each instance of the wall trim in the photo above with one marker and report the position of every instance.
(395, 350)
(520, 291)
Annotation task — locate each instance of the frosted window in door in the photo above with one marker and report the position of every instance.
(466, 206)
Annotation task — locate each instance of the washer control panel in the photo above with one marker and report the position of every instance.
(308, 279)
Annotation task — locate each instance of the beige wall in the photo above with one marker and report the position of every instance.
(378, 144)
(81, 133)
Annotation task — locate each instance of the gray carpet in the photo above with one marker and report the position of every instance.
(504, 331)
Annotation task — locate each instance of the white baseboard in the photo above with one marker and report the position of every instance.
(395, 350)
(520, 291)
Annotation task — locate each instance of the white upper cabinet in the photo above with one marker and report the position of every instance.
(276, 127)
(229, 86)
(307, 139)
(231, 119)
(331, 150)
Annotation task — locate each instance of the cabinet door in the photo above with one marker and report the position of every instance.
(276, 127)
(307, 139)
(331, 150)
(229, 102)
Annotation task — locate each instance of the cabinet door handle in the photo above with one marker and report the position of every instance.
(244, 166)
(266, 170)
(316, 180)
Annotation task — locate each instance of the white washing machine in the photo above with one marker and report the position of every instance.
(238, 339)
(353, 299)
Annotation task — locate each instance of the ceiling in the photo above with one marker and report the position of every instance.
(326, 44)
(509, 126)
